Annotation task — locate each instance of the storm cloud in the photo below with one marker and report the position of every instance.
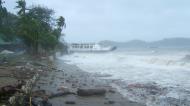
(120, 20)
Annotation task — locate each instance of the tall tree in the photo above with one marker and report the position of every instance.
(36, 29)
(7, 23)
(60, 25)
(8, 27)
(21, 4)
(61, 22)
(1, 3)
(3, 12)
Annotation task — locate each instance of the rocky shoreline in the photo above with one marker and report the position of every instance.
(68, 85)
(46, 83)
(18, 76)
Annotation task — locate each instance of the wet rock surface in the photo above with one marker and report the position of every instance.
(153, 94)
(68, 85)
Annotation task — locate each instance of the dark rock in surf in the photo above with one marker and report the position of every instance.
(91, 92)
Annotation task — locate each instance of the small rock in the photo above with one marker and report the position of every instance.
(62, 88)
(70, 102)
(45, 102)
(109, 102)
(67, 81)
(112, 91)
(40, 70)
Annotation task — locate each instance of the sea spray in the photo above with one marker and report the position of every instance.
(167, 70)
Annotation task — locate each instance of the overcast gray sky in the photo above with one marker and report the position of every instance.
(120, 20)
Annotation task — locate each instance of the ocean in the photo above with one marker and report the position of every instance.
(156, 77)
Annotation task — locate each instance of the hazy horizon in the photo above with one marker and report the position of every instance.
(122, 20)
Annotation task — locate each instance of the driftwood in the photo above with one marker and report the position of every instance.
(91, 92)
(7, 91)
(70, 102)
(11, 89)
(43, 102)
(61, 94)
(39, 93)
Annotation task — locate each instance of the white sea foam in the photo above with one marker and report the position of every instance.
(165, 69)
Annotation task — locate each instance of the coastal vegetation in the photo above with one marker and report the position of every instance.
(34, 26)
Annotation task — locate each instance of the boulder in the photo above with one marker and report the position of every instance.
(91, 92)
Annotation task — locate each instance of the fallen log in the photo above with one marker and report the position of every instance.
(70, 102)
(91, 92)
(61, 94)
(7, 91)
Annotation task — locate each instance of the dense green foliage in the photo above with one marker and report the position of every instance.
(7, 23)
(36, 27)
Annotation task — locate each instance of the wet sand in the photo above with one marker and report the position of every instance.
(70, 78)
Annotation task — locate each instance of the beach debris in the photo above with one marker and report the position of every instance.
(12, 100)
(145, 91)
(61, 94)
(63, 89)
(38, 93)
(19, 99)
(90, 92)
(11, 89)
(150, 88)
(112, 90)
(45, 102)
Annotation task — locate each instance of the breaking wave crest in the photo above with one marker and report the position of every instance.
(153, 79)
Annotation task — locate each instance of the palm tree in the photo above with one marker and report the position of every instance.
(1, 3)
(61, 23)
(21, 4)
(3, 12)
(2, 9)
